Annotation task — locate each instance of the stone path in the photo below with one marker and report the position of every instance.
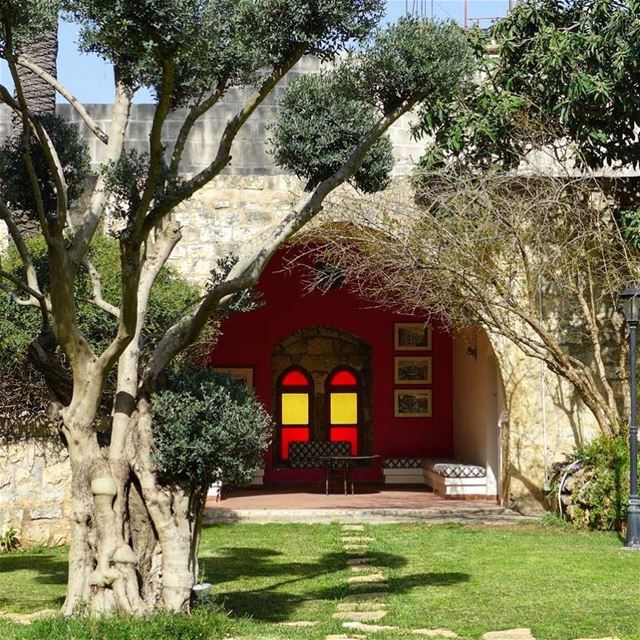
(363, 611)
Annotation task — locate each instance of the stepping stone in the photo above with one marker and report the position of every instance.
(373, 577)
(361, 606)
(28, 618)
(360, 616)
(510, 634)
(343, 637)
(352, 527)
(368, 628)
(365, 567)
(358, 562)
(357, 539)
(435, 633)
(299, 623)
(359, 552)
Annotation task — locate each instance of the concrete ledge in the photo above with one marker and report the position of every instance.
(468, 514)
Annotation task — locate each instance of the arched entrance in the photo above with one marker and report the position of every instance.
(323, 390)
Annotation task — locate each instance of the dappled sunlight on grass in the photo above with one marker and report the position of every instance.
(560, 583)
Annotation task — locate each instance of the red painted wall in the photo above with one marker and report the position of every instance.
(248, 340)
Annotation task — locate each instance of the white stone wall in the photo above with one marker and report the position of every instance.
(35, 492)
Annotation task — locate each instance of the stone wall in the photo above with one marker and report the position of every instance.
(251, 195)
(34, 492)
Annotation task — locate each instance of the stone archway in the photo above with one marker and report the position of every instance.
(320, 350)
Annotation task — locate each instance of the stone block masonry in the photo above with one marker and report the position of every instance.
(35, 492)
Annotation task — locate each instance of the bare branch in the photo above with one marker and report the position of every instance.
(18, 240)
(193, 116)
(224, 148)
(96, 286)
(66, 94)
(90, 219)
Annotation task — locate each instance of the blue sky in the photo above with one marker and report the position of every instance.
(91, 80)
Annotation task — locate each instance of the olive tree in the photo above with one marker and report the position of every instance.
(190, 53)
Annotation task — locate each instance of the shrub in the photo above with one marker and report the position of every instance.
(598, 485)
(207, 423)
(9, 540)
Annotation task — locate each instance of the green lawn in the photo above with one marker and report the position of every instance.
(561, 583)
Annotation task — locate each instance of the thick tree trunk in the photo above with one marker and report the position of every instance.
(133, 542)
(39, 95)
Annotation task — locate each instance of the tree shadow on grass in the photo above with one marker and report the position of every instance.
(267, 602)
(43, 568)
(49, 568)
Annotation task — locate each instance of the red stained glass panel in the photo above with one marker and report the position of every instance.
(348, 434)
(289, 435)
(295, 378)
(343, 379)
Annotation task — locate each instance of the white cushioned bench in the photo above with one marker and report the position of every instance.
(451, 478)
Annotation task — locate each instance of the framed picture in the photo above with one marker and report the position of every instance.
(412, 336)
(412, 370)
(413, 403)
(244, 374)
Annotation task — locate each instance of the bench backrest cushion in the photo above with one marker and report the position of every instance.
(402, 463)
(311, 455)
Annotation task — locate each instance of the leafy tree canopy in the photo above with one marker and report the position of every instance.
(20, 326)
(27, 18)
(566, 71)
(323, 117)
(210, 41)
(15, 183)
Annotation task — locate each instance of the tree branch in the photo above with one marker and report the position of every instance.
(89, 221)
(194, 114)
(66, 94)
(96, 286)
(229, 134)
(248, 269)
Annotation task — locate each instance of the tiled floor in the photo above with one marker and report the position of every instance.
(365, 498)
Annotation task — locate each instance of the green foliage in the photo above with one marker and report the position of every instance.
(319, 125)
(566, 70)
(9, 540)
(206, 424)
(413, 59)
(125, 181)
(322, 118)
(212, 40)
(203, 624)
(19, 326)
(15, 184)
(602, 492)
(28, 17)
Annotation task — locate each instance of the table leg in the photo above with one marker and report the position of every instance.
(351, 480)
(326, 480)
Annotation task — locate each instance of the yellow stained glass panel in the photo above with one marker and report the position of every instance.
(344, 408)
(295, 408)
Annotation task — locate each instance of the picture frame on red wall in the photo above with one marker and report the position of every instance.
(412, 370)
(413, 403)
(412, 336)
